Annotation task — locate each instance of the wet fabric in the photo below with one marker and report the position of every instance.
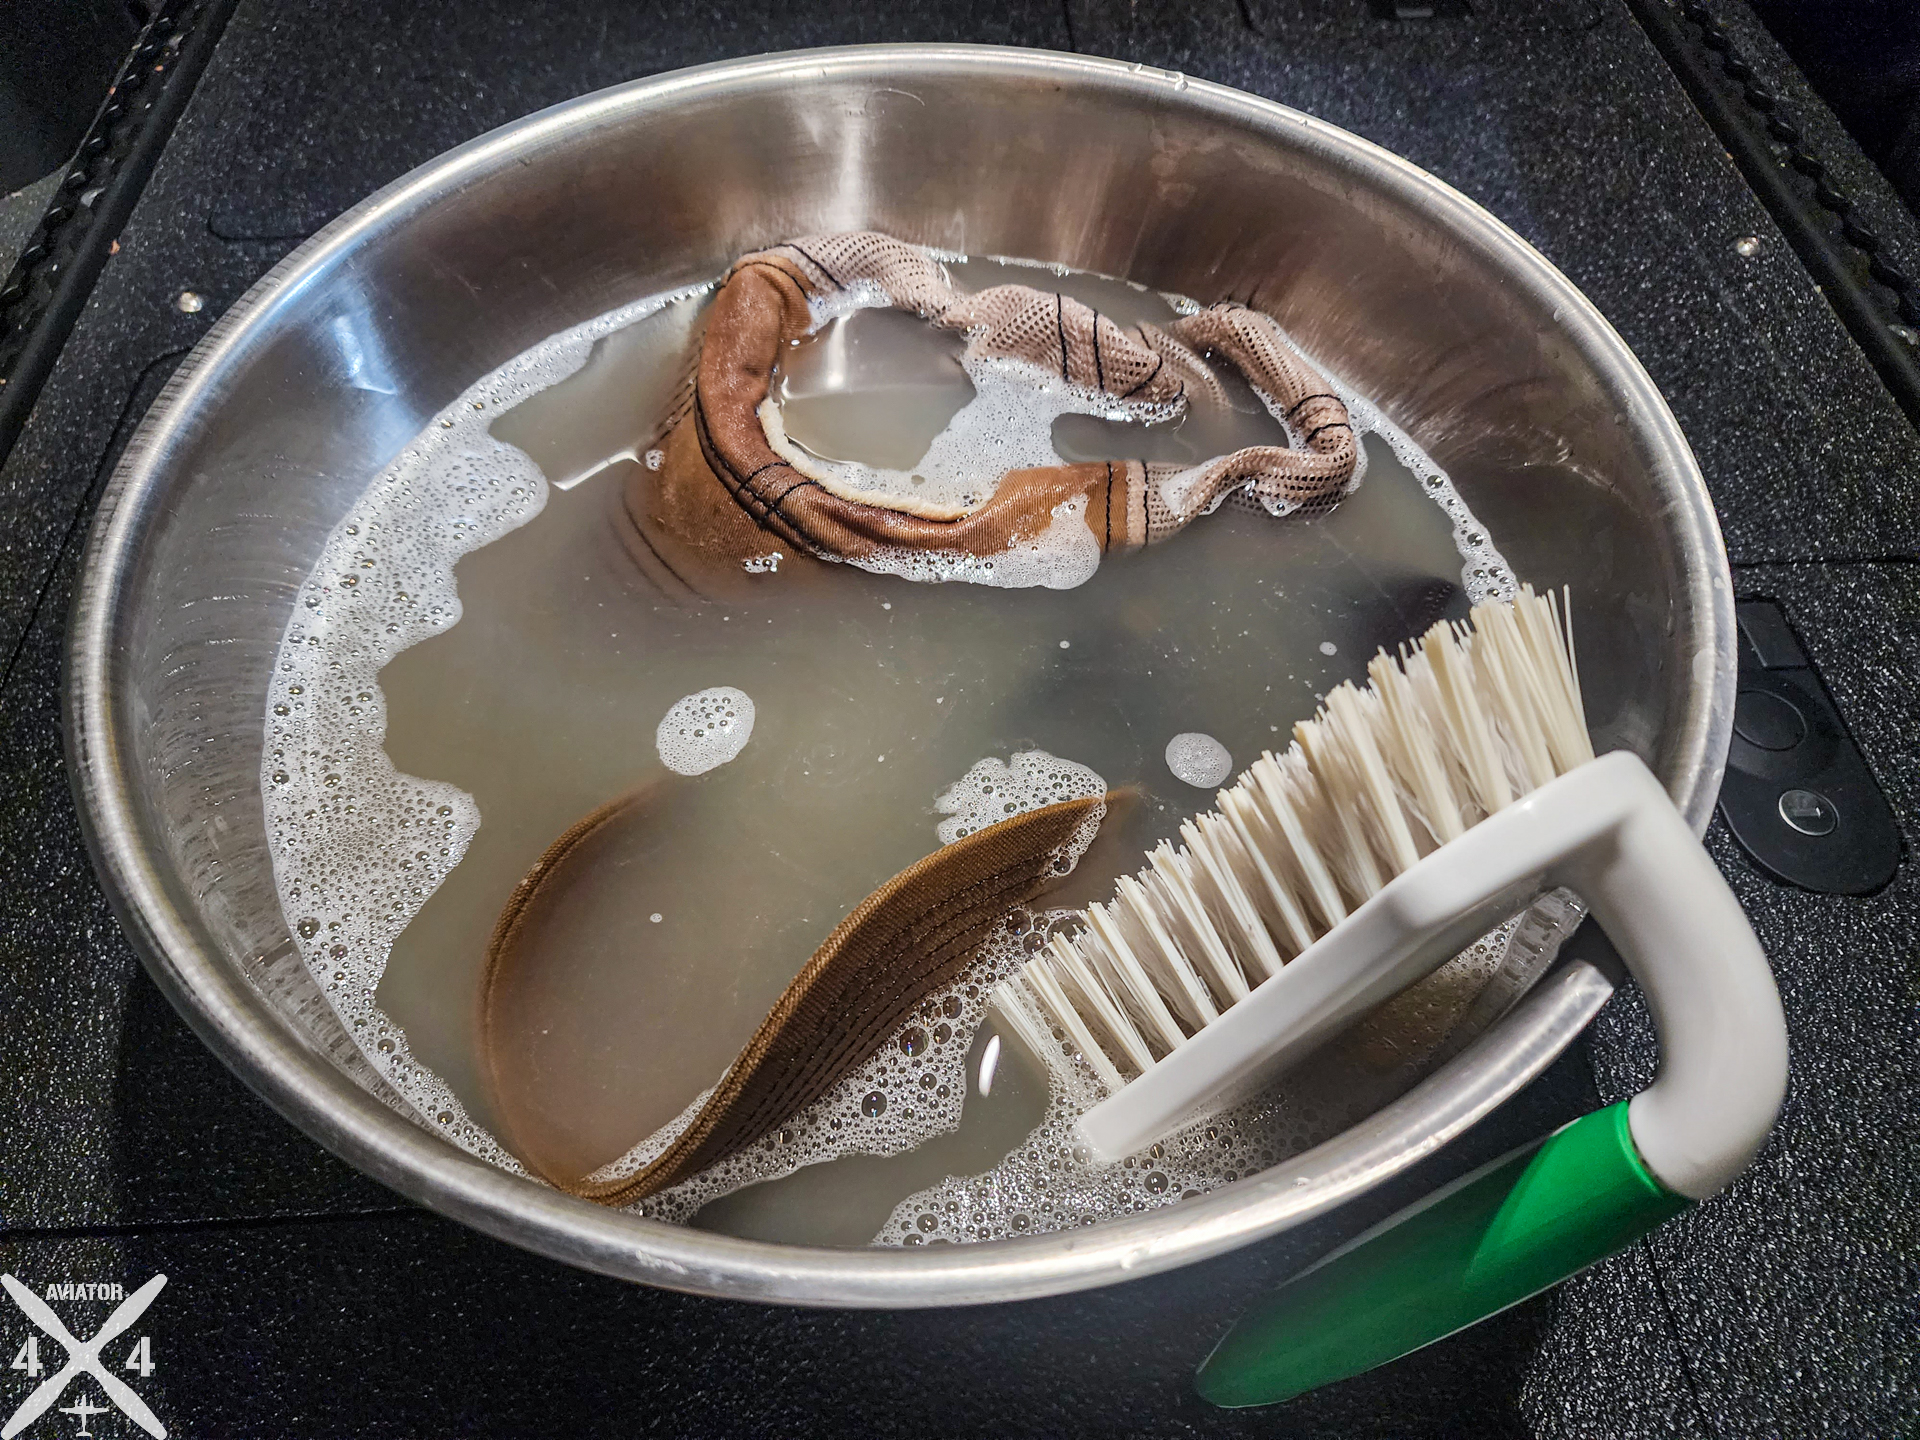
(730, 492)
(911, 937)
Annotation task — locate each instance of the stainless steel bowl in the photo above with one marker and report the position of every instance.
(297, 398)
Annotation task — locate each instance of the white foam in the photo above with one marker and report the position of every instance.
(1199, 760)
(704, 730)
(862, 294)
(993, 790)
(1061, 557)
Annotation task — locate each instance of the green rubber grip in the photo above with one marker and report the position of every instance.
(1507, 1231)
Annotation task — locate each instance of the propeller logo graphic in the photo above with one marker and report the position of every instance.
(83, 1358)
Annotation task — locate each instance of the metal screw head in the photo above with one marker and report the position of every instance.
(1809, 812)
(189, 303)
(1747, 246)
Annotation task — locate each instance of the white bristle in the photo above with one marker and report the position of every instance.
(1247, 952)
(1289, 925)
(1145, 916)
(1127, 979)
(1044, 987)
(1445, 734)
(1279, 786)
(1464, 721)
(1354, 716)
(1199, 936)
(1076, 979)
(1432, 795)
(1331, 810)
(1020, 1014)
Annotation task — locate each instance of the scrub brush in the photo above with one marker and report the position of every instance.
(1411, 816)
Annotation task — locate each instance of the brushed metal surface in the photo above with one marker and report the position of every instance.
(295, 400)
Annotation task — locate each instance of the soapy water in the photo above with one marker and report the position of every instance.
(359, 846)
(914, 1087)
(704, 730)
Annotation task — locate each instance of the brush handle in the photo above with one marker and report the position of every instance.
(1526, 1222)
(1507, 1231)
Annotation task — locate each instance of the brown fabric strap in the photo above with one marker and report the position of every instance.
(718, 448)
(1144, 366)
(1315, 472)
(909, 938)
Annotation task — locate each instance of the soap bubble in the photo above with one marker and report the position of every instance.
(1199, 760)
(704, 730)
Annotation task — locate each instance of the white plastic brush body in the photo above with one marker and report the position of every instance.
(1606, 831)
